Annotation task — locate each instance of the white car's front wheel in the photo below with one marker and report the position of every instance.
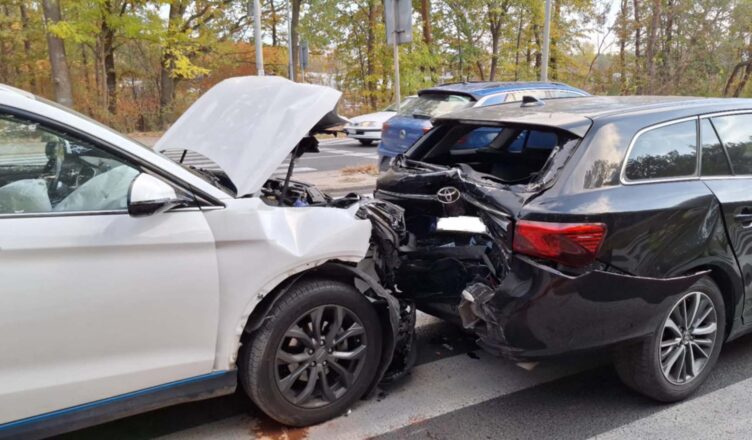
(315, 356)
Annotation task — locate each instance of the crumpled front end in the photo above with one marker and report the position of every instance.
(519, 307)
(382, 263)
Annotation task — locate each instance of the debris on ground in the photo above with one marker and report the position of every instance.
(369, 169)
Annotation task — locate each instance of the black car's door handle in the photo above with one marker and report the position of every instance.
(743, 218)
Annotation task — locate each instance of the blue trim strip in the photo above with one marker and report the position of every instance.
(110, 400)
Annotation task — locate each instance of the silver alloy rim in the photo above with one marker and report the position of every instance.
(688, 338)
(320, 356)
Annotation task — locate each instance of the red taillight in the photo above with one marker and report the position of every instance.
(571, 244)
(427, 129)
(385, 127)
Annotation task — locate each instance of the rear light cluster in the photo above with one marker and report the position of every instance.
(571, 244)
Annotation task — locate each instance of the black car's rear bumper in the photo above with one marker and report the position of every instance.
(538, 311)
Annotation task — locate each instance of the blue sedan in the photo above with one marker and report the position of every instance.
(414, 119)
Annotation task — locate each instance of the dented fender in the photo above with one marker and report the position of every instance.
(538, 311)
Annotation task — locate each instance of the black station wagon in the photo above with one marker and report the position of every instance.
(584, 223)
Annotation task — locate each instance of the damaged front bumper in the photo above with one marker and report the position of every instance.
(537, 311)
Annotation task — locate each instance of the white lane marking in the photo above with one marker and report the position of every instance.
(282, 170)
(336, 141)
(24, 159)
(199, 161)
(29, 161)
(723, 413)
(438, 388)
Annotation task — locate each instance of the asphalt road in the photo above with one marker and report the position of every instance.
(334, 154)
(458, 391)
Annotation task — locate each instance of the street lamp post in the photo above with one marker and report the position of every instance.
(291, 67)
(397, 92)
(256, 5)
(546, 39)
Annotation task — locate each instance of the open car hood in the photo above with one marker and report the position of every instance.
(248, 125)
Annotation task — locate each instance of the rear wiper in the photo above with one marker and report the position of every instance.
(421, 116)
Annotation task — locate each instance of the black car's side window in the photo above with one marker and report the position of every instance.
(665, 152)
(714, 160)
(735, 132)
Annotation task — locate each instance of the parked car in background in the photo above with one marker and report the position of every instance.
(414, 119)
(132, 282)
(367, 128)
(597, 222)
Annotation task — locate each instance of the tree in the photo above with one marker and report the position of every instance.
(188, 34)
(425, 16)
(294, 36)
(58, 60)
(498, 11)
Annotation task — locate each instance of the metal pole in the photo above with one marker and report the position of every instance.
(397, 97)
(546, 39)
(257, 37)
(291, 68)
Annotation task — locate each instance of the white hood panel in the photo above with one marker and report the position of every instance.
(248, 125)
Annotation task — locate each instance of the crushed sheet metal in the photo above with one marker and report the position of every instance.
(275, 243)
(488, 311)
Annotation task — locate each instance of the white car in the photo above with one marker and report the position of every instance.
(367, 128)
(131, 282)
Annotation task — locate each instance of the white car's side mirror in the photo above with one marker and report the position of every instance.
(149, 195)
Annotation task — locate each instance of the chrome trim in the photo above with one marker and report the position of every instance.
(90, 213)
(732, 177)
(726, 113)
(622, 177)
(63, 214)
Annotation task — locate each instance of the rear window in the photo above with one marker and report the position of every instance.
(663, 153)
(511, 155)
(530, 139)
(431, 105)
(735, 132)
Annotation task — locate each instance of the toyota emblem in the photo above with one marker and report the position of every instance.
(403, 133)
(448, 195)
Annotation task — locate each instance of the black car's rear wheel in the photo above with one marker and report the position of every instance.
(315, 356)
(677, 358)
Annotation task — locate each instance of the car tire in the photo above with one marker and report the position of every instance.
(267, 372)
(365, 142)
(654, 367)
